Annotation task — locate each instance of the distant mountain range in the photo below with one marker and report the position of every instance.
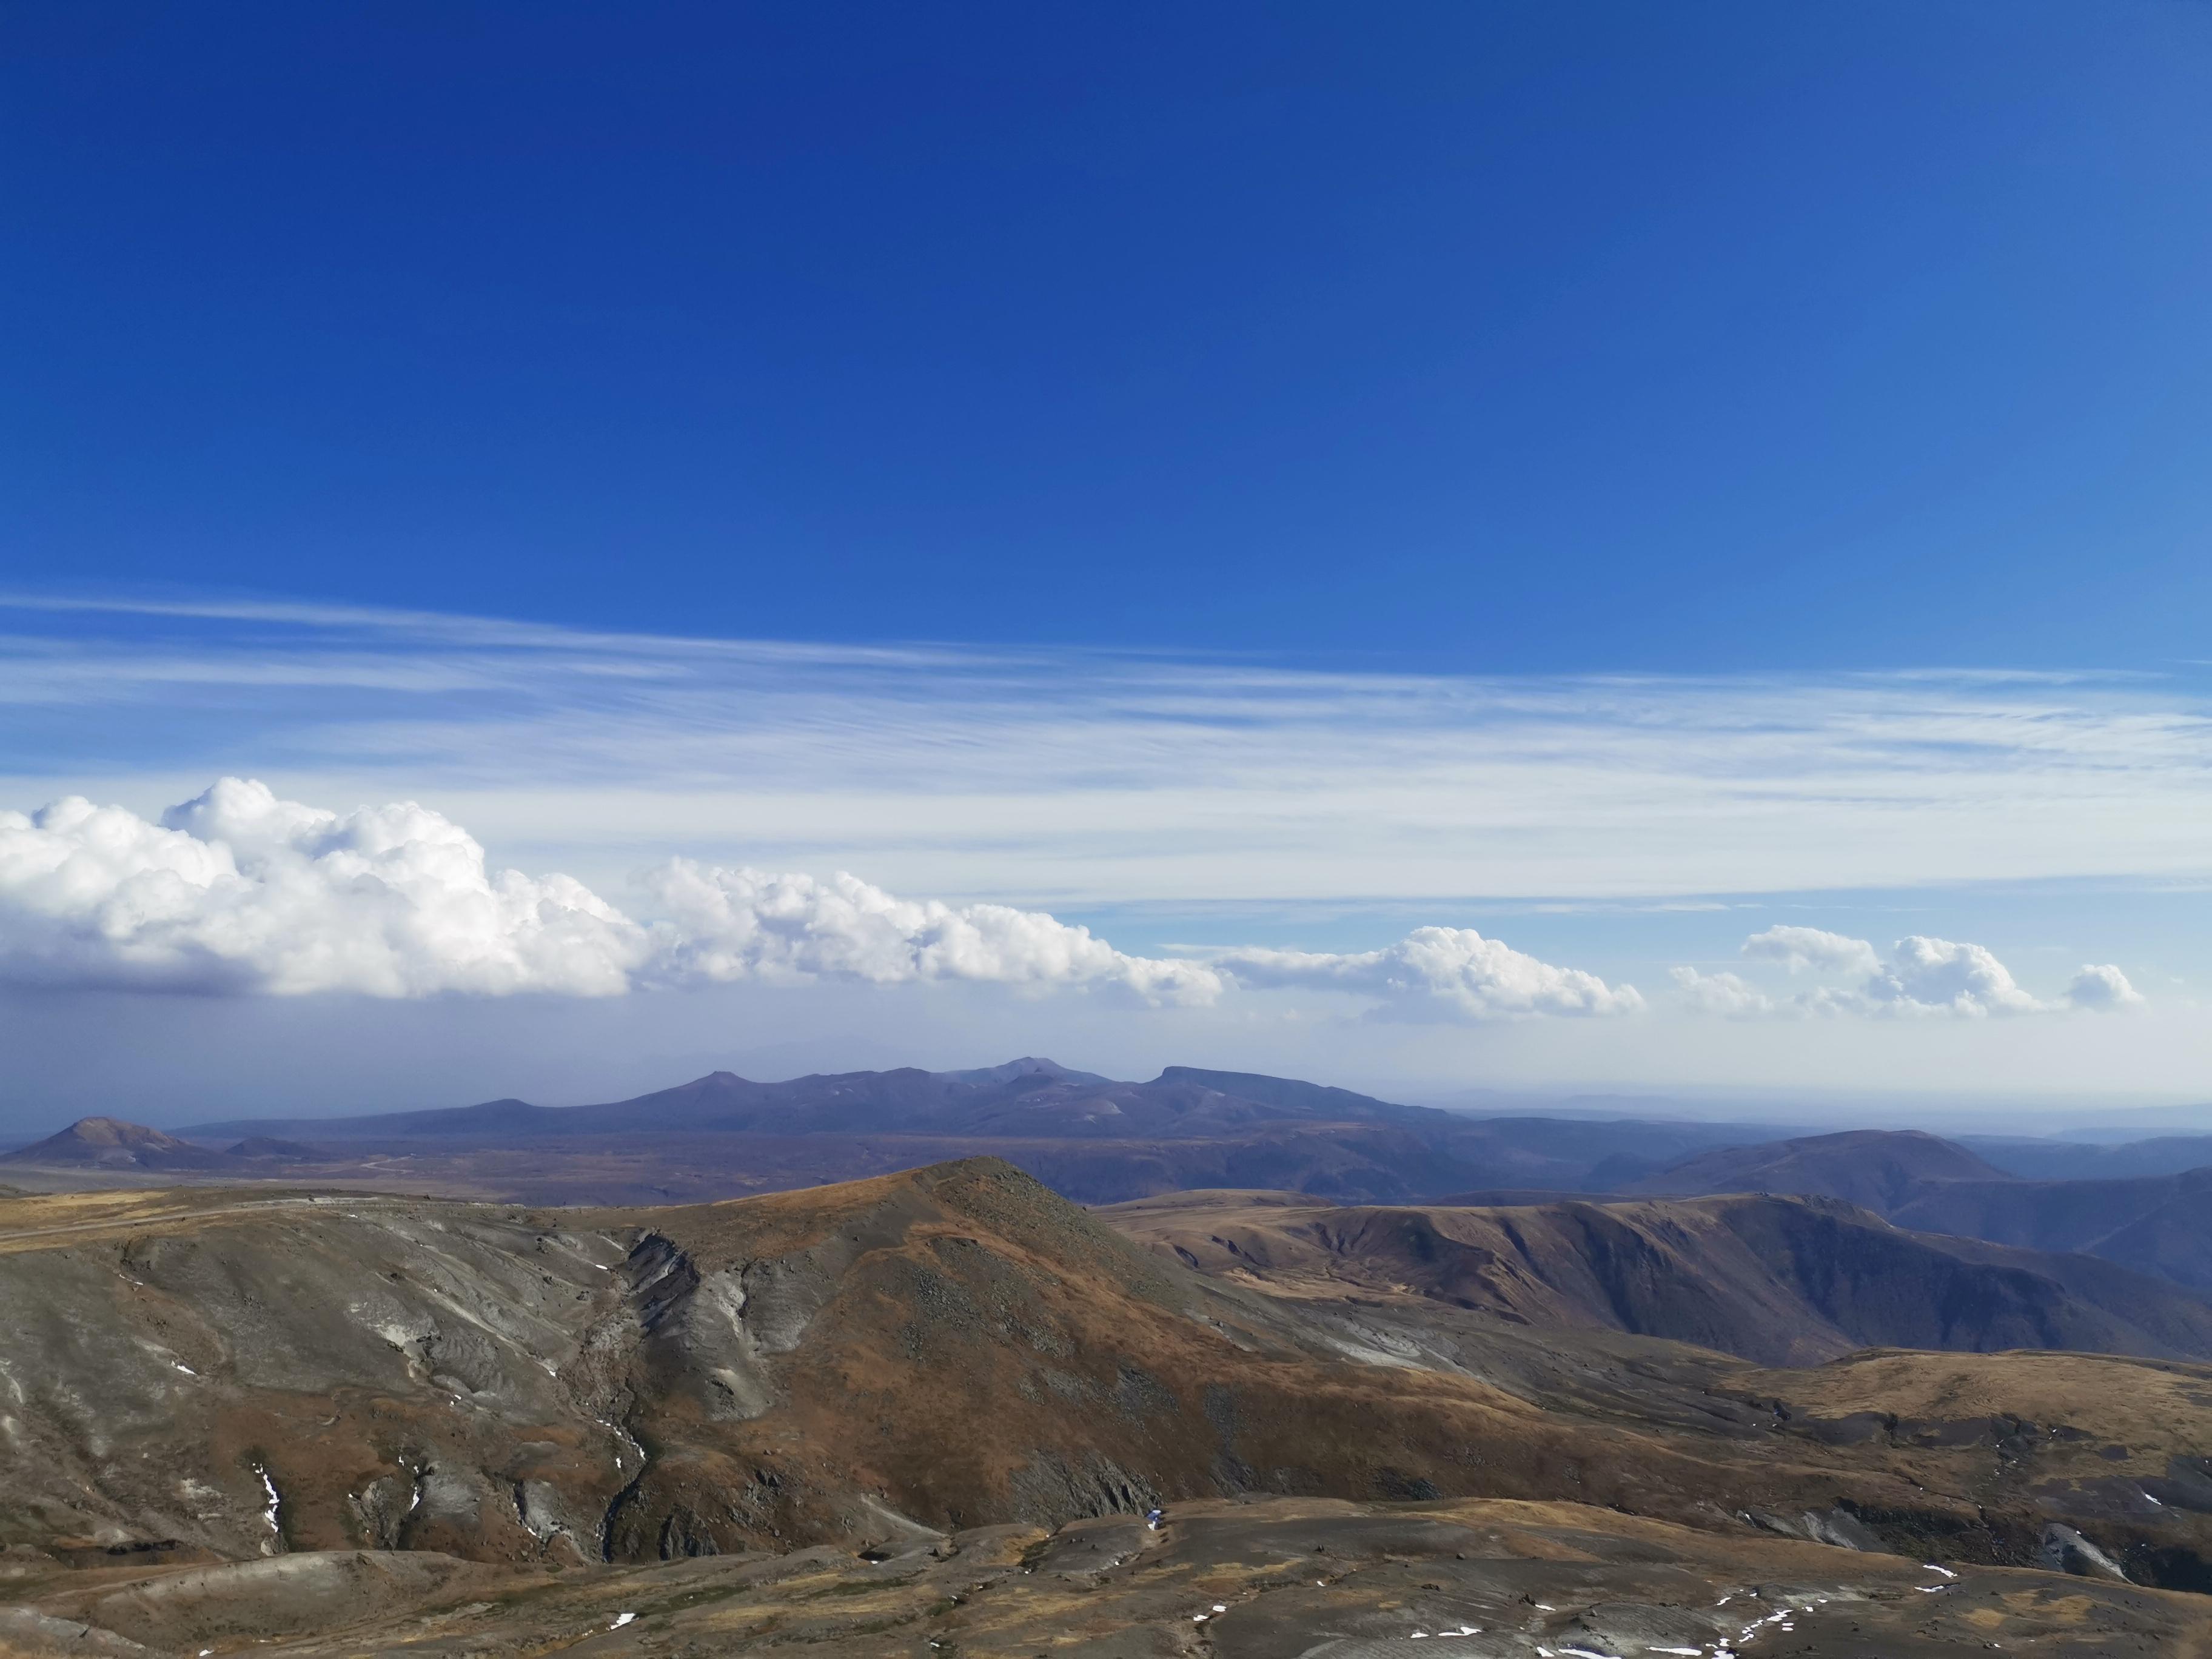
(1022, 1099)
(1100, 1140)
(1096, 1139)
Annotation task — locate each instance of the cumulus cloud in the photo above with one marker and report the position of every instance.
(1922, 976)
(2100, 986)
(1725, 994)
(1438, 972)
(237, 890)
(1937, 975)
(745, 924)
(1800, 948)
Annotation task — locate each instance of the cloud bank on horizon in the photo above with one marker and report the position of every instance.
(1922, 976)
(238, 891)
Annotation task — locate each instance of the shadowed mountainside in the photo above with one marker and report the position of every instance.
(2073, 1160)
(2157, 1225)
(1876, 1169)
(1778, 1280)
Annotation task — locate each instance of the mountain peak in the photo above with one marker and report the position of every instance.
(1029, 1066)
(117, 1132)
(116, 1143)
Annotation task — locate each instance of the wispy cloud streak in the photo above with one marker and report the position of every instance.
(1089, 779)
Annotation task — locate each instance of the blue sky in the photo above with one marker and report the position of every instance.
(1241, 479)
(1501, 337)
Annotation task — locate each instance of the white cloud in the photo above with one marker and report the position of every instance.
(1923, 976)
(1448, 972)
(2101, 986)
(238, 890)
(1113, 779)
(1813, 947)
(746, 924)
(1725, 994)
(1936, 976)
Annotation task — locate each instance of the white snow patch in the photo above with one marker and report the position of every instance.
(269, 1513)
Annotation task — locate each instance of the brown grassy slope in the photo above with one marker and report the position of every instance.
(965, 1347)
(955, 1346)
(971, 1347)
